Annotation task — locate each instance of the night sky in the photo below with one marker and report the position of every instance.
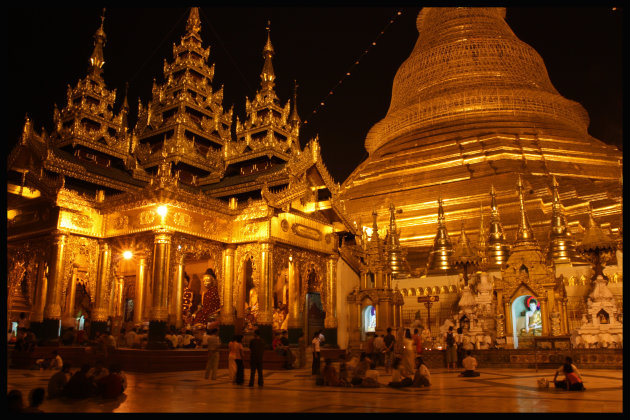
(50, 48)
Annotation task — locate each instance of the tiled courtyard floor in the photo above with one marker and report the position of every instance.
(495, 391)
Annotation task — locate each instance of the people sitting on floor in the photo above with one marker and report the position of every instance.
(35, 399)
(58, 381)
(53, 362)
(371, 377)
(399, 375)
(572, 378)
(329, 374)
(98, 371)
(80, 384)
(470, 364)
(112, 385)
(358, 375)
(422, 376)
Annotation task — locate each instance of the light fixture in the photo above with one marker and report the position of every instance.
(162, 210)
(127, 255)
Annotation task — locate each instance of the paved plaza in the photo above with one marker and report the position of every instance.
(496, 390)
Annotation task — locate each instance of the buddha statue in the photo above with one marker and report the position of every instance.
(533, 318)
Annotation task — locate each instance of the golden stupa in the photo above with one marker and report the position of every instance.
(472, 108)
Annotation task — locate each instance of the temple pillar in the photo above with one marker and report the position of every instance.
(544, 313)
(565, 317)
(226, 324)
(175, 313)
(141, 278)
(52, 309)
(40, 294)
(508, 319)
(117, 308)
(37, 317)
(99, 314)
(331, 322)
(159, 310)
(265, 303)
(68, 316)
(295, 323)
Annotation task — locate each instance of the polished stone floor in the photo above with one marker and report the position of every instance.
(496, 390)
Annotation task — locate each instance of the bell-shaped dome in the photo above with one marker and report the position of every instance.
(468, 65)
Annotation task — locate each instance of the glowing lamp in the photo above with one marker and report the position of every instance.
(127, 255)
(162, 210)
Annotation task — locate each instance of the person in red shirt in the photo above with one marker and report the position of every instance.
(417, 341)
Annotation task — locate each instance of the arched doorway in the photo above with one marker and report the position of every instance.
(368, 321)
(526, 320)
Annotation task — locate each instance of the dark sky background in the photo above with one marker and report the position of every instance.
(50, 48)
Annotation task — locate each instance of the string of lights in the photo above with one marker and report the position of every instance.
(350, 70)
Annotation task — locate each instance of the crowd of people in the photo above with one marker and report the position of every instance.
(86, 382)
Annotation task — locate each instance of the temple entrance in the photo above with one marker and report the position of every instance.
(315, 314)
(526, 320)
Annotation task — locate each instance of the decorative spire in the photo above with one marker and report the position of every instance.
(268, 76)
(560, 244)
(97, 59)
(374, 236)
(498, 247)
(395, 254)
(481, 244)
(524, 233)
(464, 254)
(439, 258)
(193, 25)
(295, 118)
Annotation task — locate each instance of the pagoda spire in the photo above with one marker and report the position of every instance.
(97, 59)
(268, 76)
(464, 254)
(481, 244)
(524, 232)
(295, 118)
(396, 256)
(193, 25)
(498, 247)
(439, 257)
(560, 243)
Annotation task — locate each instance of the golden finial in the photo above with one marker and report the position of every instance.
(97, 59)
(498, 247)
(524, 232)
(439, 258)
(193, 25)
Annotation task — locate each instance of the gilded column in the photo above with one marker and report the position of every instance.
(226, 325)
(331, 322)
(544, 312)
(141, 278)
(99, 314)
(508, 319)
(295, 324)
(70, 297)
(159, 309)
(40, 294)
(265, 316)
(565, 317)
(117, 308)
(175, 315)
(52, 309)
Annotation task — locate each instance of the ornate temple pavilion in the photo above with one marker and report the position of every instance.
(120, 226)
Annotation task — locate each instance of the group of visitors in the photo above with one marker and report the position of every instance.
(88, 381)
(236, 366)
(15, 401)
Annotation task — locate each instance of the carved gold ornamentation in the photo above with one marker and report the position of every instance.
(147, 217)
(306, 231)
(182, 219)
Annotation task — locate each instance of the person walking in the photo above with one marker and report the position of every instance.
(235, 360)
(256, 352)
(212, 365)
(379, 349)
(390, 341)
(316, 354)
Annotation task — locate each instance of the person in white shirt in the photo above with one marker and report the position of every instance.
(422, 376)
(470, 364)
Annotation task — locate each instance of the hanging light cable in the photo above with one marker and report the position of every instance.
(348, 73)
